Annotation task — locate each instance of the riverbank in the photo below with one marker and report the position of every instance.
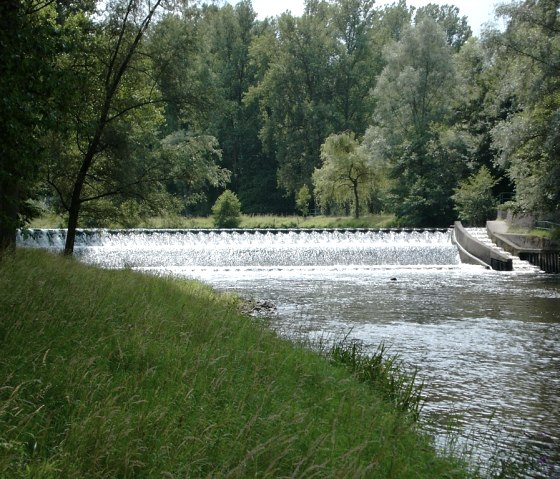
(247, 221)
(117, 374)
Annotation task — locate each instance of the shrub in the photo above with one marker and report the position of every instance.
(473, 197)
(227, 210)
(302, 200)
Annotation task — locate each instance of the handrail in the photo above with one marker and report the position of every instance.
(546, 225)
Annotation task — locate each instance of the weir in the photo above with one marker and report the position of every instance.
(261, 248)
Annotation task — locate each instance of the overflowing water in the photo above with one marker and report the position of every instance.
(200, 248)
(486, 343)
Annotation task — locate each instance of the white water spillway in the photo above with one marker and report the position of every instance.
(253, 248)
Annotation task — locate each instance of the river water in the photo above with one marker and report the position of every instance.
(486, 344)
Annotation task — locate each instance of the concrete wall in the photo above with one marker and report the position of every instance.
(487, 255)
(541, 252)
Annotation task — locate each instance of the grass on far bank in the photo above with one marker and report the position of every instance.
(117, 374)
(550, 234)
(247, 221)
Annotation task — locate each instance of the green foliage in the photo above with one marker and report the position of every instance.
(227, 210)
(147, 376)
(316, 77)
(303, 200)
(109, 118)
(294, 95)
(247, 221)
(414, 97)
(528, 138)
(29, 44)
(190, 164)
(346, 176)
(474, 201)
(456, 28)
(183, 75)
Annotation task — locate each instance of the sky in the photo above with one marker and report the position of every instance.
(477, 11)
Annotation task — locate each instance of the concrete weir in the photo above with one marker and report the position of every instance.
(541, 252)
(473, 251)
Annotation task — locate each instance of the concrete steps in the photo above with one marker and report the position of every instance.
(519, 265)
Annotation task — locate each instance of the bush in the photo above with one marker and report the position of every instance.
(473, 197)
(227, 210)
(303, 199)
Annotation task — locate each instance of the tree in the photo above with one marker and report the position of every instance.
(457, 30)
(393, 21)
(110, 109)
(356, 65)
(184, 76)
(319, 69)
(474, 201)
(227, 210)
(303, 199)
(528, 140)
(28, 47)
(229, 34)
(296, 92)
(346, 176)
(190, 165)
(415, 98)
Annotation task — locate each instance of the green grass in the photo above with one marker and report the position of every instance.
(116, 374)
(551, 234)
(247, 221)
(385, 374)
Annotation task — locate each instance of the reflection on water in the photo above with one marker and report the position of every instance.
(486, 343)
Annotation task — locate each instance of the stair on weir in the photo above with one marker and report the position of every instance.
(480, 234)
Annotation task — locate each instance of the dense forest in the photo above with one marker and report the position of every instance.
(116, 109)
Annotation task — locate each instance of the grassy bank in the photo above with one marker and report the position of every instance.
(115, 374)
(247, 221)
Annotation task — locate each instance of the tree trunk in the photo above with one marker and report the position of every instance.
(9, 200)
(73, 215)
(76, 201)
(356, 200)
(9, 191)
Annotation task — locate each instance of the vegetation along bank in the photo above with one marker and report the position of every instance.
(117, 374)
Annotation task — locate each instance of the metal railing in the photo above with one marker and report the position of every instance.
(546, 225)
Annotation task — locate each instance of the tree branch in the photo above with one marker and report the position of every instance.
(133, 107)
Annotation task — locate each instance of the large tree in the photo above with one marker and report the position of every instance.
(415, 99)
(356, 66)
(295, 93)
(319, 71)
(456, 27)
(528, 140)
(230, 34)
(112, 117)
(28, 47)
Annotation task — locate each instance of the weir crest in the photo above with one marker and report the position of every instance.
(260, 248)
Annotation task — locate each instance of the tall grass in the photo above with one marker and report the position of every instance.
(113, 374)
(384, 373)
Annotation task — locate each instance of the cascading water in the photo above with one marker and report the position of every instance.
(262, 248)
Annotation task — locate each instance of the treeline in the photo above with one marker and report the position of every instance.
(114, 110)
